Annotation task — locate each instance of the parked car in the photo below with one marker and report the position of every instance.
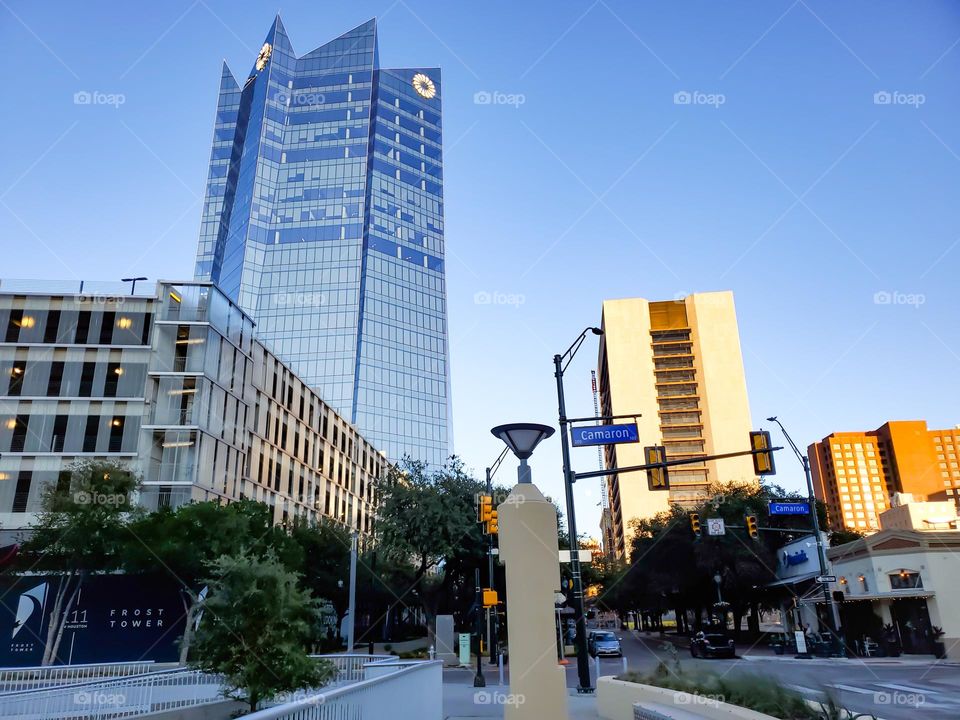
(603, 642)
(712, 645)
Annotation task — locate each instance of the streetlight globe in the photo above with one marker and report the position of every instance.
(522, 438)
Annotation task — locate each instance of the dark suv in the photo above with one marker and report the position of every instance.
(712, 645)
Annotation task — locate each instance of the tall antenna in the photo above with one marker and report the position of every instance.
(604, 498)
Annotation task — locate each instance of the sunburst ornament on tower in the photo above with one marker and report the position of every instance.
(264, 57)
(424, 86)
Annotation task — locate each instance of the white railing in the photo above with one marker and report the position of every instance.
(27, 678)
(413, 691)
(116, 698)
(350, 666)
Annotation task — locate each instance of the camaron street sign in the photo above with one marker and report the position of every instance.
(789, 508)
(604, 434)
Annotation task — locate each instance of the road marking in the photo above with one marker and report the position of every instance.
(851, 688)
(805, 690)
(907, 688)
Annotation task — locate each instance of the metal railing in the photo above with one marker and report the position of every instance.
(350, 666)
(115, 698)
(28, 678)
(412, 691)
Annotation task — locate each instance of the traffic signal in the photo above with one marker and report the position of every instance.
(762, 461)
(484, 508)
(695, 524)
(752, 529)
(657, 477)
(492, 527)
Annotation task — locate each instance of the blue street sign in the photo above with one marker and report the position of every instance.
(605, 434)
(789, 508)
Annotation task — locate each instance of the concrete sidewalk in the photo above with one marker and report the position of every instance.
(463, 702)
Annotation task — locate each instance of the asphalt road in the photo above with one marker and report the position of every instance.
(887, 688)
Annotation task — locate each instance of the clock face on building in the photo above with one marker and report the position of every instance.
(264, 56)
(424, 86)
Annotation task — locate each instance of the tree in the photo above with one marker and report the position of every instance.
(255, 629)
(430, 518)
(325, 568)
(79, 531)
(841, 537)
(184, 543)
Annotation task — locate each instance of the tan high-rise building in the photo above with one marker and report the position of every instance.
(677, 363)
(856, 473)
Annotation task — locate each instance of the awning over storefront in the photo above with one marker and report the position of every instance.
(793, 580)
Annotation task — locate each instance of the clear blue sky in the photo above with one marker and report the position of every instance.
(798, 191)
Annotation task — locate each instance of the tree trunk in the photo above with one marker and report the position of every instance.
(191, 612)
(753, 622)
(63, 618)
(54, 615)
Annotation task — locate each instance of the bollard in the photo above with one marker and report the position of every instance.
(596, 661)
(432, 652)
(500, 663)
(623, 658)
(370, 648)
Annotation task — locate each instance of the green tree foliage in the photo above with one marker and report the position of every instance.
(429, 519)
(184, 543)
(80, 530)
(670, 569)
(256, 625)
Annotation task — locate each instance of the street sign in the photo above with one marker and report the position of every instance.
(604, 434)
(584, 556)
(827, 578)
(789, 508)
(715, 526)
(801, 642)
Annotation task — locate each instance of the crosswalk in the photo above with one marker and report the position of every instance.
(890, 694)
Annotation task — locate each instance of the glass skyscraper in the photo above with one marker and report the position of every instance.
(323, 220)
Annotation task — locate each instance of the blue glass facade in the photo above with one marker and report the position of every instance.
(324, 221)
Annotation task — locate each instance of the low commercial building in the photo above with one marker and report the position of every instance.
(906, 579)
(172, 381)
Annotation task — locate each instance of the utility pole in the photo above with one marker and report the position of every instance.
(353, 591)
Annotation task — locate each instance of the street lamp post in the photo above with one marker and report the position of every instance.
(821, 553)
(583, 662)
(494, 620)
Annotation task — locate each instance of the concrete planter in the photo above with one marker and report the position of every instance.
(616, 698)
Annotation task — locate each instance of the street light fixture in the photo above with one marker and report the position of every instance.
(560, 364)
(821, 554)
(521, 439)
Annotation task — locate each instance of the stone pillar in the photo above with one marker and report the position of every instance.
(528, 548)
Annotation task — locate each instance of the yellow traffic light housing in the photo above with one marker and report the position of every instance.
(695, 524)
(762, 461)
(657, 477)
(489, 598)
(492, 526)
(752, 529)
(484, 508)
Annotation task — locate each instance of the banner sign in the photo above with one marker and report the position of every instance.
(115, 618)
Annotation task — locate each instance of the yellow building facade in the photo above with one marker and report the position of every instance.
(677, 364)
